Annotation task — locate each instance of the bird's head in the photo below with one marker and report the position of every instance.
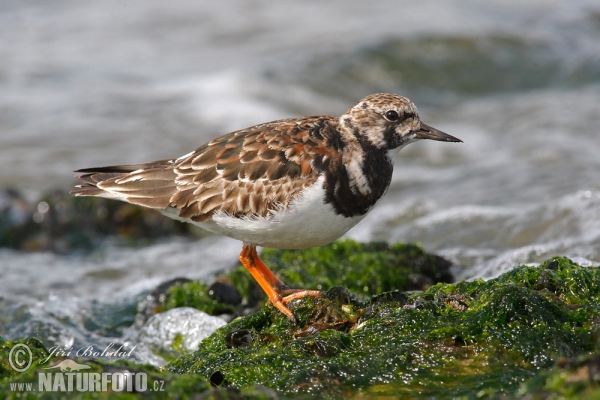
(388, 121)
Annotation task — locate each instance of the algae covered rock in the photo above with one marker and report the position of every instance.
(196, 295)
(480, 338)
(58, 381)
(365, 269)
(533, 332)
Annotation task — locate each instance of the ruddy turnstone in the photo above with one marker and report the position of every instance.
(293, 183)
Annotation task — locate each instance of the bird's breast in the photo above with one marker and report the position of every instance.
(357, 181)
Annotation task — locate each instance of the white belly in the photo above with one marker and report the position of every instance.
(307, 222)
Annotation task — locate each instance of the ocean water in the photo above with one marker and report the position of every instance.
(98, 83)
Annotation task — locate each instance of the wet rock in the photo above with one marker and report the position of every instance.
(382, 304)
(451, 340)
(194, 294)
(62, 223)
(342, 296)
(395, 296)
(514, 339)
(217, 379)
(173, 333)
(364, 267)
(18, 230)
(241, 338)
(332, 311)
(225, 293)
(155, 301)
(420, 282)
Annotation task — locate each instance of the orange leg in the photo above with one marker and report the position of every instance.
(272, 286)
(279, 286)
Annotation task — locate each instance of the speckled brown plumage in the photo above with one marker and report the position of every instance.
(246, 173)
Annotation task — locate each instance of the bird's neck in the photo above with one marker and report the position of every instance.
(359, 178)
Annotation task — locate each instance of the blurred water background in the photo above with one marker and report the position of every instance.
(98, 83)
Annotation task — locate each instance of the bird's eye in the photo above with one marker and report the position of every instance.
(391, 115)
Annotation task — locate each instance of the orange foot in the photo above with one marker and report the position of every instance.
(272, 286)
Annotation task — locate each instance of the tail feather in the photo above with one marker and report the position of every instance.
(151, 184)
(126, 168)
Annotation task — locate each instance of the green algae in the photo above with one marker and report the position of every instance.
(572, 378)
(533, 332)
(365, 269)
(193, 294)
(473, 339)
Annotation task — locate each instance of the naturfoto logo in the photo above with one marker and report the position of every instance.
(70, 379)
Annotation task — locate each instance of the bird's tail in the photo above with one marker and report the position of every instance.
(150, 184)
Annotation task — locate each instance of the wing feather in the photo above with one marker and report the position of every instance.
(246, 173)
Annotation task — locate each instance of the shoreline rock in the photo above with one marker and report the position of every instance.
(533, 332)
(62, 223)
(507, 336)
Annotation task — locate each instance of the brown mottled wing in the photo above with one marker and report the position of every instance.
(253, 171)
(246, 173)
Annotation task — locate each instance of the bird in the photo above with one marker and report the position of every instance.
(288, 184)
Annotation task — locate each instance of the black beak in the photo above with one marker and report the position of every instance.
(427, 132)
